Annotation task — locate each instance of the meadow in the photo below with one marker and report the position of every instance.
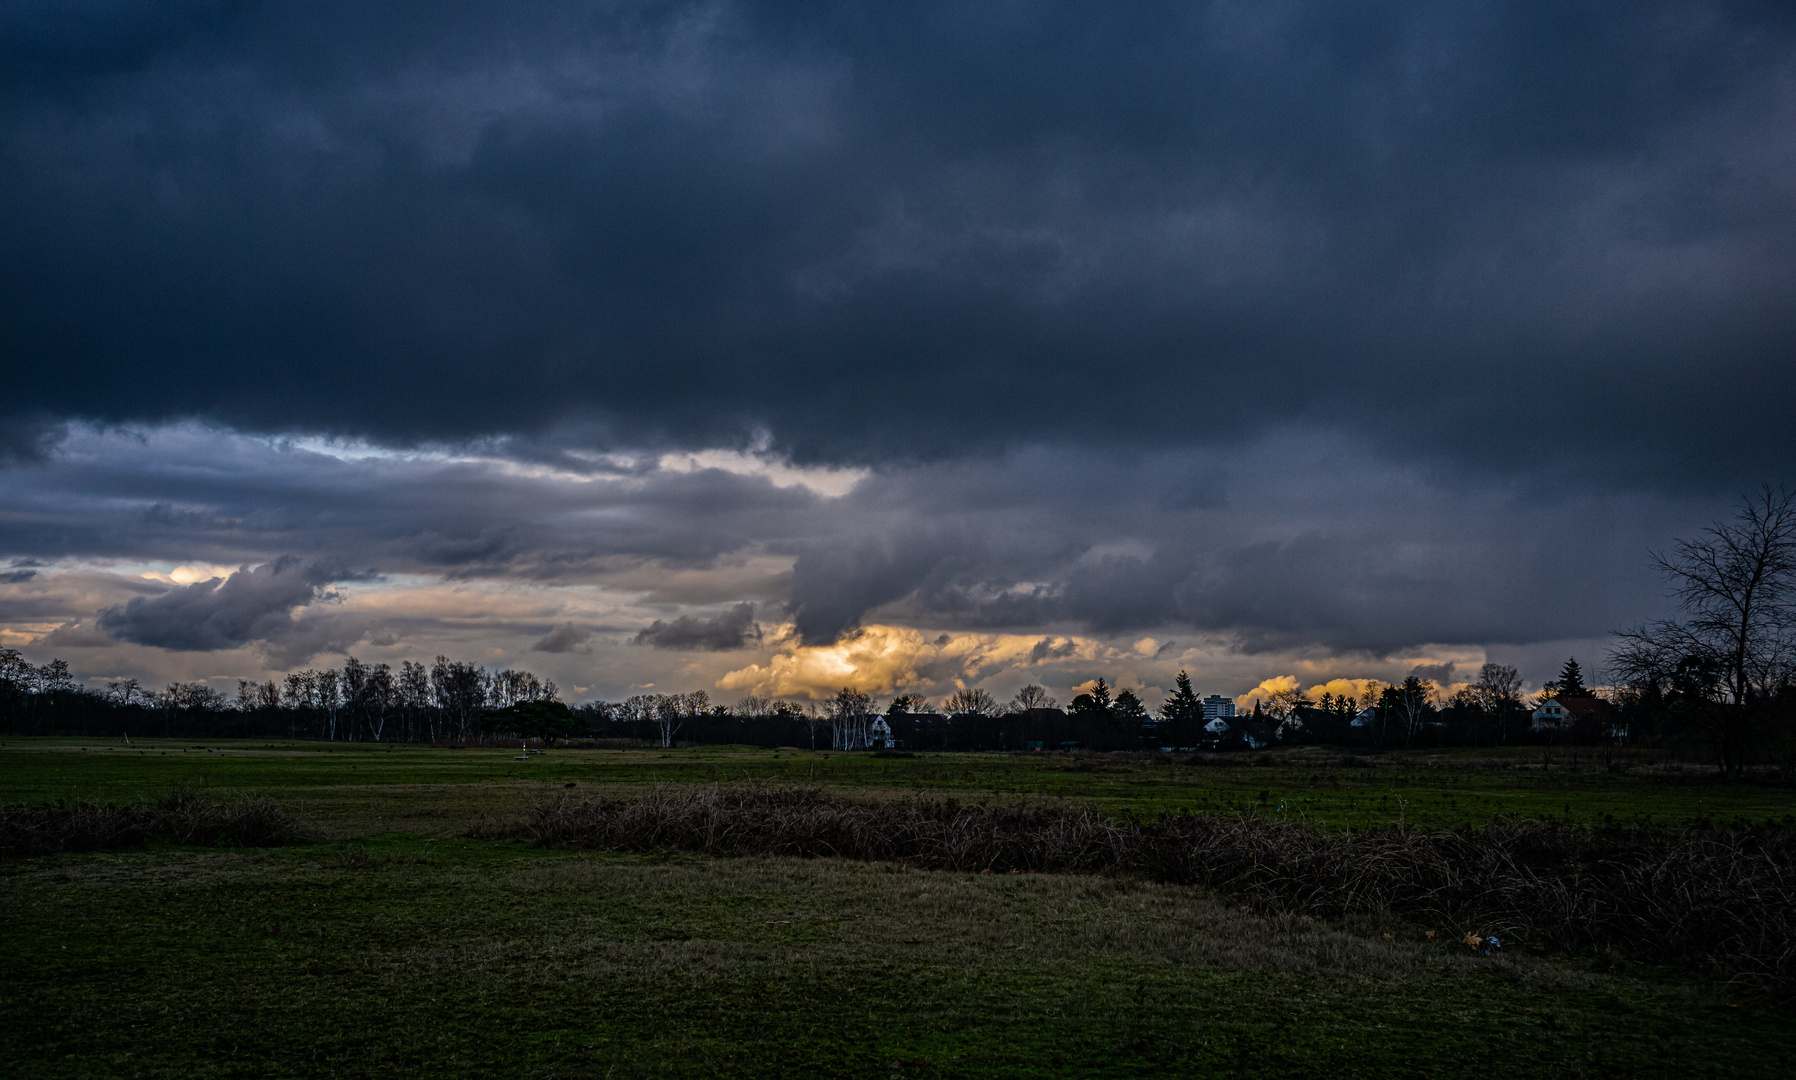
(415, 933)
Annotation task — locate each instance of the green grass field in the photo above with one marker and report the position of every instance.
(368, 788)
(397, 946)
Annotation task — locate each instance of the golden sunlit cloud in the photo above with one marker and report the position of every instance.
(889, 659)
(1278, 684)
(1362, 690)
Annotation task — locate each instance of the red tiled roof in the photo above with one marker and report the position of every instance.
(1583, 706)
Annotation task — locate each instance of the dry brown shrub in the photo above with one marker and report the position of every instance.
(1720, 900)
(180, 817)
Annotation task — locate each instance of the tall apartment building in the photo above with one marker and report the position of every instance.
(1216, 706)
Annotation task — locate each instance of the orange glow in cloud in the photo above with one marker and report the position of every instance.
(1358, 689)
(1362, 690)
(1278, 684)
(889, 659)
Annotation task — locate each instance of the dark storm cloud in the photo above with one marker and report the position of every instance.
(1310, 545)
(186, 494)
(912, 230)
(566, 638)
(19, 571)
(1293, 541)
(250, 605)
(1441, 674)
(734, 629)
(25, 439)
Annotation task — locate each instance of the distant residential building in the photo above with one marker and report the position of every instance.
(1556, 713)
(1550, 714)
(1217, 707)
(1246, 731)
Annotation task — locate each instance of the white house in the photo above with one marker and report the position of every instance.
(1556, 713)
(1550, 714)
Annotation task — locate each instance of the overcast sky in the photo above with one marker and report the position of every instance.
(773, 347)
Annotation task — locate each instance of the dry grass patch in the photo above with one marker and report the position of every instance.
(1720, 900)
(180, 817)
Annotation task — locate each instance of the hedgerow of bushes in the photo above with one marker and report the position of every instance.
(180, 817)
(1723, 901)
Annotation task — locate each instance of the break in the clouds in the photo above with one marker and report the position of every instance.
(1297, 334)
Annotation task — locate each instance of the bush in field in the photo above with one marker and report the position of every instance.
(181, 817)
(1723, 900)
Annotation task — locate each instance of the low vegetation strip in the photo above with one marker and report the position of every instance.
(1721, 901)
(180, 817)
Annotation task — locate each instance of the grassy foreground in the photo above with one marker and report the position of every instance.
(357, 788)
(399, 947)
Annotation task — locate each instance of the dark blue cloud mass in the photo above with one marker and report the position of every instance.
(1304, 326)
(914, 230)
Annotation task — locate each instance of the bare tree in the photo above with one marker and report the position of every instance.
(670, 715)
(460, 690)
(1498, 694)
(251, 696)
(848, 718)
(974, 701)
(813, 720)
(1282, 705)
(192, 697)
(1032, 697)
(413, 689)
(354, 683)
(1414, 698)
(379, 695)
(1732, 651)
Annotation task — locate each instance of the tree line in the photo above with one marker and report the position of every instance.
(446, 699)
(455, 701)
(1719, 679)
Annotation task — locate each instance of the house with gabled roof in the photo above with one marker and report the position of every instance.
(1563, 713)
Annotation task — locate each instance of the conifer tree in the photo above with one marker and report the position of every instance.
(1129, 716)
(1183, 713)
(1096, 702)
(1571, 680)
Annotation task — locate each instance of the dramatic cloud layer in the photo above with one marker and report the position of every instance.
(876, 229)
(1291, 547)
(1299, 340)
